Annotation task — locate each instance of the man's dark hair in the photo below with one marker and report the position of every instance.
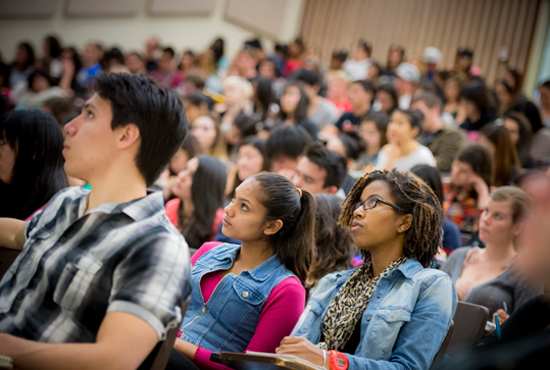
(289, 141)
(170, 52)
(157, 112)
(310, 78)
(196, 80)
(366, 46)
(430, 99)
(330, 161)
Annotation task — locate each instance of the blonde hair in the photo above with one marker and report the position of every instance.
(241, 83)
(519, 201)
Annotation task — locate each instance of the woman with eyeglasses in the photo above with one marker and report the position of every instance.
(392, 311)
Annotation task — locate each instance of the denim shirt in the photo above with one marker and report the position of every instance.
(227, 321)
(404, 324)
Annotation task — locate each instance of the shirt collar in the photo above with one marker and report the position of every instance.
(410, 268)
(137, 209)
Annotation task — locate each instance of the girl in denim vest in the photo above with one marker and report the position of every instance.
(392, 312)
(248, 297)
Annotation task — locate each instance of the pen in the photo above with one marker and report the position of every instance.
(300, 321)
(497, 330)
(505, 307)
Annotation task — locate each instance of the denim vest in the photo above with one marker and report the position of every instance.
(227, 321)
(405, 322)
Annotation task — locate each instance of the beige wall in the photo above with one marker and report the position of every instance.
(181, 32)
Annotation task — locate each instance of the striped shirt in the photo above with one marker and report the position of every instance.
(75, 267)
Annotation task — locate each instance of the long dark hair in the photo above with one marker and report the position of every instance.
(389, 89)
(54, 47)
(38, 169)
(294, 243)
(334, 242)
(523, 146)
(189, 145)
(423, 238)
(301, 109)
(30, 56)
(479, 158)
(264, 97)
(207, 193)
(506, 158)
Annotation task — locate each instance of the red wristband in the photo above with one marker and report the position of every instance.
(338, 361)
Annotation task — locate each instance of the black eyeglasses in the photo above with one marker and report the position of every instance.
(371, 202)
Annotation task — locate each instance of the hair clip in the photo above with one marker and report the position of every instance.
(299, 192)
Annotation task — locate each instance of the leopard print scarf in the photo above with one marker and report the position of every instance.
(349, 304)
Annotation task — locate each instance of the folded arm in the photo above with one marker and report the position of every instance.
(12, 233)
(123, 342)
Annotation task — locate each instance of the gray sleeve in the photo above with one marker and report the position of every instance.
(524, 291)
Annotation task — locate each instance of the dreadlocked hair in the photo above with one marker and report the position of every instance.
(423, 238)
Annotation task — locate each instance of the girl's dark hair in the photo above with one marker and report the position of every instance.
(479, 158)
(217, 48)
(114, 54)
(30, 56)
(506, 158)
(294, 243)
(423, 238)
(381, 121)
(414, 116)
(76, 61)
(191, 146)
(334, 243)
(480, 95)
(354, 144)
(523, 146)
(264, 97)
(261, 146)
(54, 47)
(245, 124)
(389, 89)
(38, 169)
(301, 109)
(207, 201)
(39, 72)
(518, 80)
(431, 176)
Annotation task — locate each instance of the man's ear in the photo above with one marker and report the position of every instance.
(405, 224)
(272, 227)
(129, 134)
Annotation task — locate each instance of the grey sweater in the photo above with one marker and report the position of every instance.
(508, 287)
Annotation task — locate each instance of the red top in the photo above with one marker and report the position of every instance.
(280, 314)
(171, 211)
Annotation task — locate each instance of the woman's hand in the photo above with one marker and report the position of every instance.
(303, 348)
(482, 191)
(502, 316)
(185, 348)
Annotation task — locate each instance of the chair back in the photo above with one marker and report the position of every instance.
(159, 356)
(440, 355)
(7, 256)
(470, 320)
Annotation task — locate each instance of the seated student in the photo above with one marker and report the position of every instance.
(391, 311)
(444, 142)
(249, 296)
(467, 193)
(242, 127)
(334, 242)
(197, 211)
(195, 106)
(361, 95)
(386, 99)
(321, 111)
(403, 151)
(206, 129)
(188, 149)
(320, 170)
(40, 89)
(238, 93)
(522, 136)
(505, 157)
(373, 130)
(31, 163)
(487, 276)
(479, 108)
(451, 234)
(102, 274)
(294, 107)
(350, 146)
(285, 148)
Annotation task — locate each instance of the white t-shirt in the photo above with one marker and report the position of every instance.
(357, 69)
(421, 155)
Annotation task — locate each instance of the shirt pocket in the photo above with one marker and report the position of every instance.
(74, 283)
(384, 329)
(313, 317)
(242, 308)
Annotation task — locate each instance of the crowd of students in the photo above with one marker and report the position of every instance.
(319, 199)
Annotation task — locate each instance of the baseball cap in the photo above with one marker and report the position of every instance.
(431, 55)
(408, 72)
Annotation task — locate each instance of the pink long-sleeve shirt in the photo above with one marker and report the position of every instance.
(280, 314)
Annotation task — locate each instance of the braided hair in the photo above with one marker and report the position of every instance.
(423, 238)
